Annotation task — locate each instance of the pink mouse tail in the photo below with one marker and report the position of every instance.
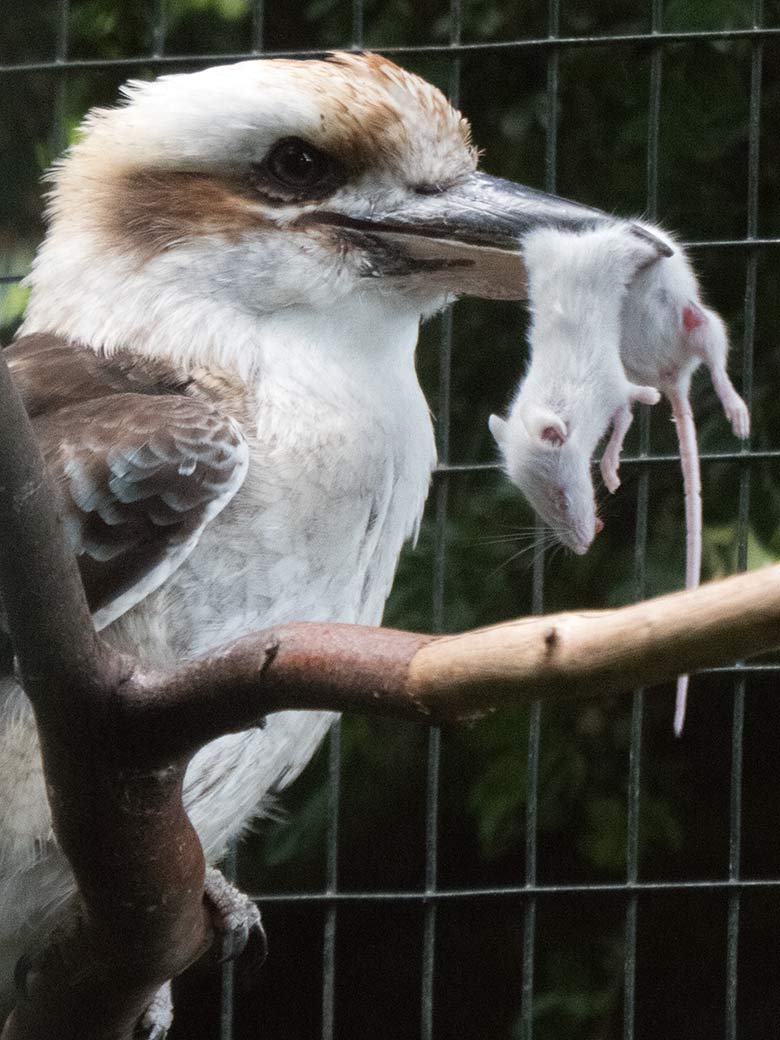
(680, 704)
(689, 460)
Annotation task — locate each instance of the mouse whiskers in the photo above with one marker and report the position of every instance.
(516, 534)
(535, 540)
(556, 551)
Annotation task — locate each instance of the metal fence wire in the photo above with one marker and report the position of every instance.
(523, 897)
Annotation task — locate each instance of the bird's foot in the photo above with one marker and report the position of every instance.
(238, 929)
(60, 955)
(236, 920)
(158, 1017)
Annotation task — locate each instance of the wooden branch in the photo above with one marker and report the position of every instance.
(308, 666)
(137, 861)
(39, 580)
(585, 654)
(116, 737)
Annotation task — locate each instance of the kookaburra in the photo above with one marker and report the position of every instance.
(218, 358)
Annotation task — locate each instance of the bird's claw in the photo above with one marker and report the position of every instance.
(31, 971)
(158, 1017)
(235, 918)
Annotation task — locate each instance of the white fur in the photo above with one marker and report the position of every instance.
(657, 347)
(88, 281)
(575, 385)
(581, 310)
(291, 545)
(222, 117)
(340, 441)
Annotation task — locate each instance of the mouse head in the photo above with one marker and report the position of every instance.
(551, 472)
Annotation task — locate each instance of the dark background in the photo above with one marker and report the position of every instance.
(595, 138)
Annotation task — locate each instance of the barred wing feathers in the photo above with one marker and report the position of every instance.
(139, 474)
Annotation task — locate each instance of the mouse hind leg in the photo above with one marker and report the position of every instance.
(707, 340)
(735, 408)
(610, 460)
(621, 421)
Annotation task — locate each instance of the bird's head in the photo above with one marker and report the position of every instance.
(269, 186)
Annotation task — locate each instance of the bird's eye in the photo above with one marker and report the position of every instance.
(297, 164)
(295, 170)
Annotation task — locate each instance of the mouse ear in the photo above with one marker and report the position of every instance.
(544, 425)
(497, 428)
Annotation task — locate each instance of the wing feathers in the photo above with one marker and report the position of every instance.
(141, 465)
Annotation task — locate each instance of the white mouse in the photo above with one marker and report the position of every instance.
(667, 334)
(664, 333)
(575, 385)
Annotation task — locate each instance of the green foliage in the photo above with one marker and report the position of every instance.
(691, 15)
(584, 1004)
(13, 300)
(231, 10)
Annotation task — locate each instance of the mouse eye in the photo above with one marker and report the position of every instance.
(296, 171)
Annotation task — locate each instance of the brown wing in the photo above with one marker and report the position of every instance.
(51, 373)
(139, 478)
(139, 474)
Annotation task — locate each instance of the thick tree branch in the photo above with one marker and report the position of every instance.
(116, 738)
(451, 678)
(137, 861)
(39, 582)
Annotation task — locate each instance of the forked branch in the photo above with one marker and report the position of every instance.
(116, 737)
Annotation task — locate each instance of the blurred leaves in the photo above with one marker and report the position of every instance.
(13, 300)
(703, 15)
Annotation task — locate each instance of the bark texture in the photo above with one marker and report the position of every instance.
(116, 738)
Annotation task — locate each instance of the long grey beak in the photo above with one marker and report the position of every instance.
(468, 238)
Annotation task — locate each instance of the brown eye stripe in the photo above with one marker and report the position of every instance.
(151, 211)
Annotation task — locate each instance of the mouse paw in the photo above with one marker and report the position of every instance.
(158, 1017)
(739, 417)
(236, 920)
(610, 465)
(609, 474)
(645, 394)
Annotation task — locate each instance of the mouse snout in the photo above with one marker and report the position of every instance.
(584, 534)
(581, 538)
